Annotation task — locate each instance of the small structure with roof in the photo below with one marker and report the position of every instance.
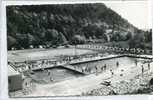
(14, 79)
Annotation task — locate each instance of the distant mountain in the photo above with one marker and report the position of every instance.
(61, 24)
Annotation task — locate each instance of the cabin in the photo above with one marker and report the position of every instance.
(14, 79)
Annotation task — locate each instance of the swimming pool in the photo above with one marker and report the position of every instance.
(57, 74)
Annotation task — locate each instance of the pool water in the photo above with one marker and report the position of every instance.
(110, 63)
(59, 73)
(53, 75)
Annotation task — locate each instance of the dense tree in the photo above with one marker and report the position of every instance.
(57, 24)
(138, 40)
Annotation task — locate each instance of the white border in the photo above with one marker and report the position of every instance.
(3, 50)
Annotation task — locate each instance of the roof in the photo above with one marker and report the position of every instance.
(12, 71)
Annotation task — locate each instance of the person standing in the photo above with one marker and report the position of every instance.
(96, 70)
(112, 73)
(49, 73)
(148, 66)
(101, 68)
(136, 62)
(117, 64)
(142, 69)
(82, 70)
(105, 67)
(51, 79)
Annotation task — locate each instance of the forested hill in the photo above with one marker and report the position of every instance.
(56, 24)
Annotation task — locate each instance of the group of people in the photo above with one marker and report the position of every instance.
(68, 59)
(89, 70)
(143, 66)
(30, 65)
(99, 69)
(49, 75)
(115, 49)
(143, 69)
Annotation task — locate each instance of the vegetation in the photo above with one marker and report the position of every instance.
(51, 25)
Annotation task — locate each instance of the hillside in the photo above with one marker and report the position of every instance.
(68, 24)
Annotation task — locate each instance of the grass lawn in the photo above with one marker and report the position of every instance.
(36, 54)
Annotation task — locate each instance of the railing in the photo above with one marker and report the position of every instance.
(13, 66)
(81, 59)
(115, 49)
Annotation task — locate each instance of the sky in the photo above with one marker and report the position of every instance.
(136, 12)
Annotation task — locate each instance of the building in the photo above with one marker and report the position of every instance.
(14, 79)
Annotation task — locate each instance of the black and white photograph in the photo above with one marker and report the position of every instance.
(80, 49)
